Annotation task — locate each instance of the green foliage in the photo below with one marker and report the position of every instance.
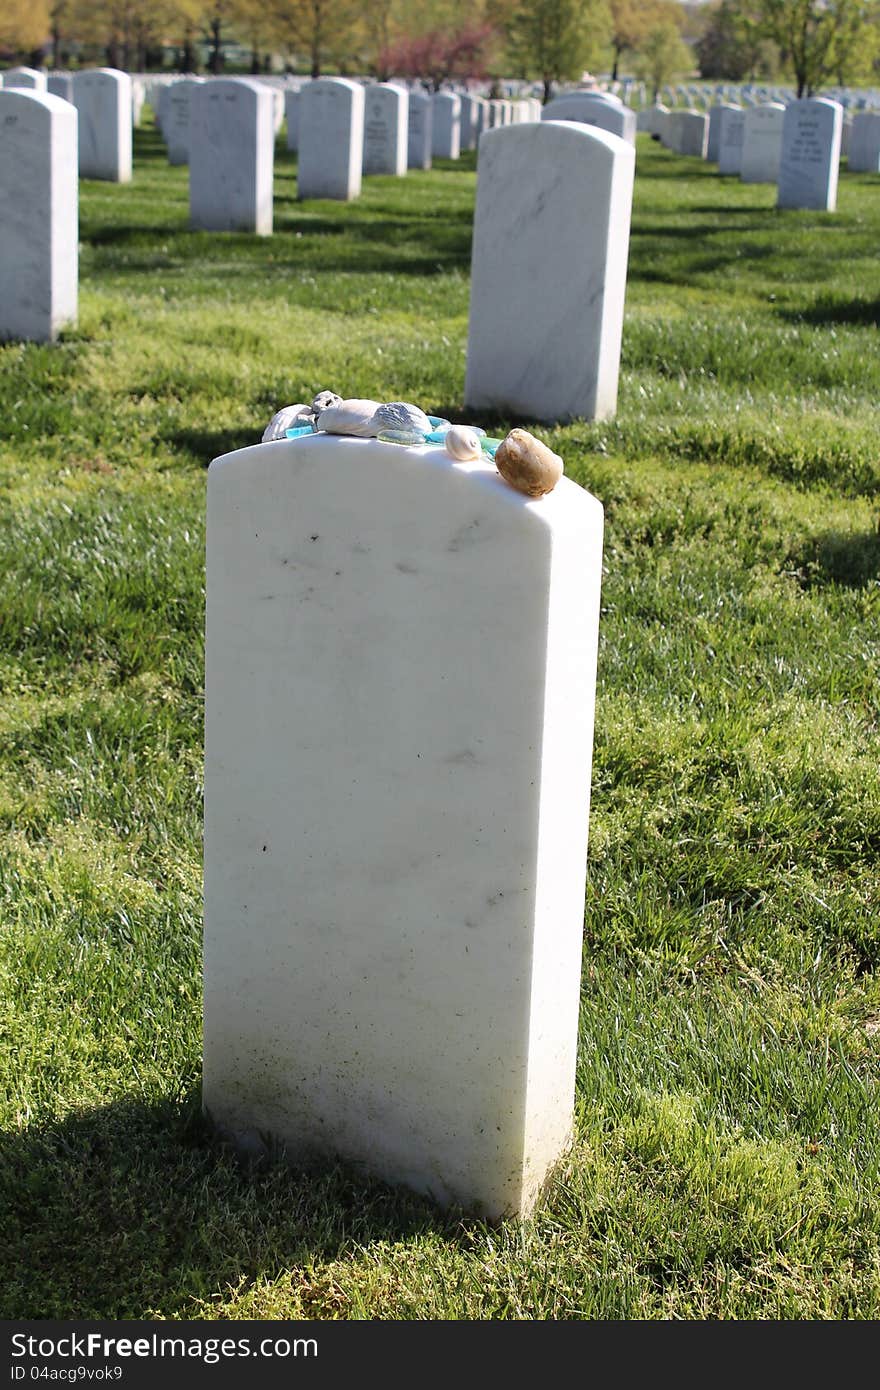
(556, 40)
(818, 39)
(725, 1162)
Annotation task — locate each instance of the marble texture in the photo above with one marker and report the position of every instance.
(331, 139)
(177, 118)
(445, 125)
(420, 131)
(386, 128)
(762, 143)
(863, 155)
(599, 109)
(653, 119)
(29, 78)
(102, 97)
(551, 240)
(400, 680)
(730, 139)
(808, 168)
(232, 156)
(39, 194)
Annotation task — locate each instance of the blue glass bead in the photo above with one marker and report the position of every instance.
(490, 446)
(402, 436)
(438, 420)
(300, 430)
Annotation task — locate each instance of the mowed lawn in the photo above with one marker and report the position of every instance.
(728, 1128)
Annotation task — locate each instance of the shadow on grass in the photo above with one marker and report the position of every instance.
(205, 445)
(135, 1209)
(859, 312)
(839, 557)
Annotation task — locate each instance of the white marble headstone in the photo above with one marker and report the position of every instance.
(177, 117)
(714, 142)
(102, 97)
(550, 248)
(60, 84)
(291, 111)
(469, 109)
(30, 78)
(689, 132)
(420, 127)
(400, 678)
(446, 125)
(386, 128)
(864, 143)
(232, 156)
(762, 143)
(331, 139)
(599, 109)
(730, 138)
(39, 236)
(810, 155)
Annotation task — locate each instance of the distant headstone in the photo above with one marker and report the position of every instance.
(291, 111)
(232, 154)
(102, 97)
(595, 109)
(39, 193)
(397, 781)
(60, 84)
(331, 139)
(138, 97)
(469, 108)
(864, 143)
(810, 155)
(177, 118)
(446, 125)
(549, 271)
(653, 119)
(419, 139)
(689, 132)
(714, 140)
(762, 143)
(730, 139)
(386, 128)
(30, 78)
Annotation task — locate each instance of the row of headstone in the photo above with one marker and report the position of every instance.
(602, 110)
(104, 99)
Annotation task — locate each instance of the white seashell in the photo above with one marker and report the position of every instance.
(400, 415)
(350, 417)
(286, 419)
(323, 400)
(462, 443)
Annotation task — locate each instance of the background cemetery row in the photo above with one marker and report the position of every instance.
(225, 130)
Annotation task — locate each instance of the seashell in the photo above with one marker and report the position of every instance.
(527, 464)
(323, 399)
(462, 443)
(401, 436)
(400, 415)
(286, 419)
(350, 417)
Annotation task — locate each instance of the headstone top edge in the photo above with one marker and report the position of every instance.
(48, 100)
(615, 144)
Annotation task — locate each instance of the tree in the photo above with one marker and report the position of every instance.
(729, 48)
(662, 54)
(24, 25)
(556, 40)
(322, 29)
(814, 36)
(438, 56)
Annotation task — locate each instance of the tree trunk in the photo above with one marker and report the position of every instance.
(548, 89)
(216, 47)
(255, 61)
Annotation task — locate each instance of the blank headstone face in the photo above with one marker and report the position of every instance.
(177, 119)
(762, 143)
(689, 132)
(232, 153)
(606, 113)
(291, 111)
(420, 129)
(730, 139)
(60, 84)
(716, 112)
(138, 97)
(102, 97)
(864, 143)
(446, 125)
(400, 682)
(29, 78)
(386, 127)
(551, 240)
(469, 108)
(331, 139)
(39, 236)
(810, 155)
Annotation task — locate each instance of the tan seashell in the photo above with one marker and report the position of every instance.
(462, 443)
(527, 464)
(285, 419)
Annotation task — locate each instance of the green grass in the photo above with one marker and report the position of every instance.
(726, 1154)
